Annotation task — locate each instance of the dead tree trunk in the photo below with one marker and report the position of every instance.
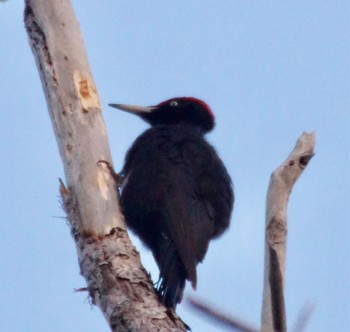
(116, 281)
(280, 187)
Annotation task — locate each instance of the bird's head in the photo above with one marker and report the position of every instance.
(188, 111)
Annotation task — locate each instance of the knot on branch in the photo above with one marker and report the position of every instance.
(276, 232)
(87, 91)
(304, 160)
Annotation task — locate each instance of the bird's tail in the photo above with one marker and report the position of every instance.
(172, 278)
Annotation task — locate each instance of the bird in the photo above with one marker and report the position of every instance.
(176, 194)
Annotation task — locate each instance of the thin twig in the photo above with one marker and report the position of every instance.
(220, 317)
(304, 317)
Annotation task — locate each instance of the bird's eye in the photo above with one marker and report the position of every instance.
(174, 103)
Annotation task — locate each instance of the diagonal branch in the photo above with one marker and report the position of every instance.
(221, 318)
(116, 280)
(280, 187)
(303, 318)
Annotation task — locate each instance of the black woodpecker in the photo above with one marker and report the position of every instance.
(176, 193)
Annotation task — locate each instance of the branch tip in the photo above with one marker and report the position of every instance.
(82, 289)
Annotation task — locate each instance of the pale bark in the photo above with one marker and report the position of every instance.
(281, 184)
(116, 281)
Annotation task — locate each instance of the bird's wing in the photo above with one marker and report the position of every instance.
(188, 217)
(189, 226)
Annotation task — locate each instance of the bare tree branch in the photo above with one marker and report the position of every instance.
(219, 317)
(303, 318)
(116, 281)
(281, 184)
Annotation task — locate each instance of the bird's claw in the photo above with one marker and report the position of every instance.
(118, 179)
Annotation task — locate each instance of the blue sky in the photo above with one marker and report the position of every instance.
(269, 69)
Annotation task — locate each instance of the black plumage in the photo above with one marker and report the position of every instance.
(177, 194)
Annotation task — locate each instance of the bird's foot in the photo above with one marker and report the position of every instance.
(156, 284)
(118, 179)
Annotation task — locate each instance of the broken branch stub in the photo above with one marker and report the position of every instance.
(281, 183)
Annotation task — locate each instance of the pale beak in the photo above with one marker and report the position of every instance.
(133, 108)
